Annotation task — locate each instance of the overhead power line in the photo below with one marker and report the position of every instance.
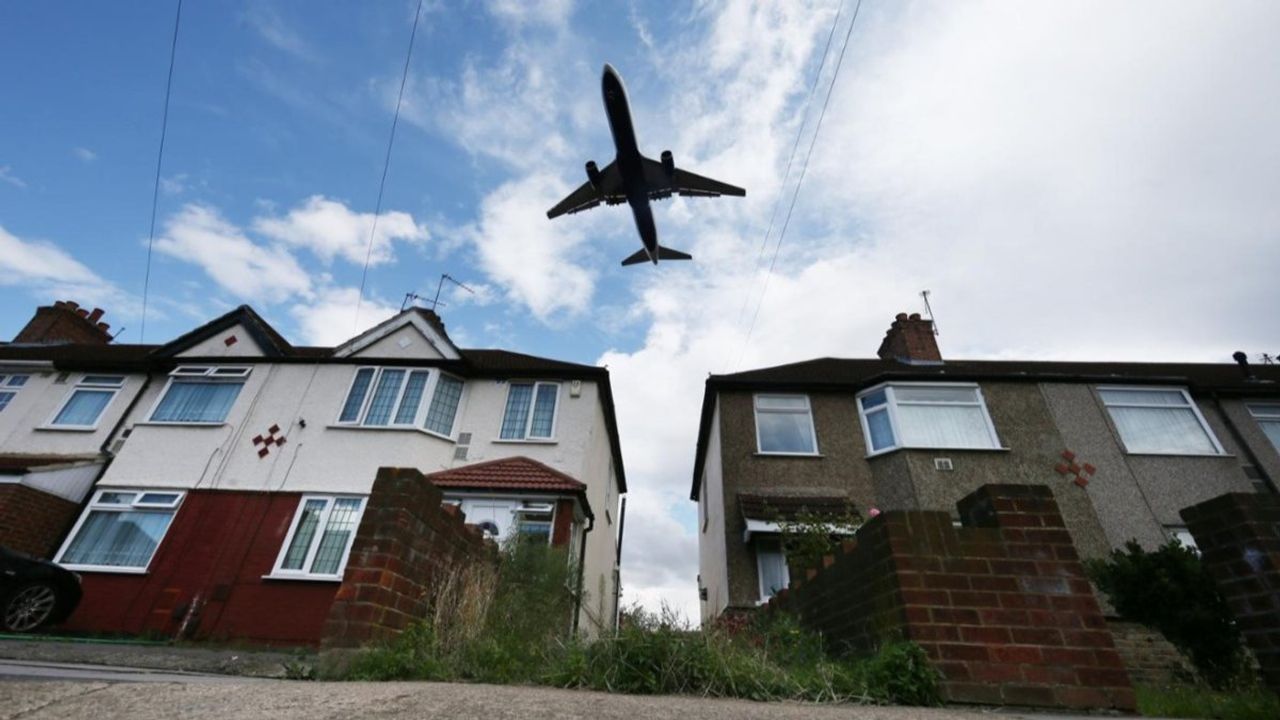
(155, 191)
(386, 164)
(804, 167)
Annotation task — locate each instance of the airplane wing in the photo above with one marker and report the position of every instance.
(587, 196)
(683, 182)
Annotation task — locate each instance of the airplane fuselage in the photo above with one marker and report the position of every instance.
(629, 160)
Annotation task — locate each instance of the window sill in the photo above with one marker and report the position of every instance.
(392, 428)
(104, 569)
(525, 441)
(162, 423)
(304, 578)
(1181, 455)
(67, 428)
(802, 456)
(890, 451)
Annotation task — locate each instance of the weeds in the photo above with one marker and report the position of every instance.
(1192, 702)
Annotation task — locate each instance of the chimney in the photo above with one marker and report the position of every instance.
(64, 322)
(910, 340)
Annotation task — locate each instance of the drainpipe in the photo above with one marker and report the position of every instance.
(617, 564)
(582, 558)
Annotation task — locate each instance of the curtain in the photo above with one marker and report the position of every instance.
(412, 397)
(544, 411)
(197, 401)
(297, 554)
(1160, 430)
(772, 565)
(384, 398)
(444, 405)
(84, 407)
(517, 414)
(118, 539)
(355, 398)
(942, 426)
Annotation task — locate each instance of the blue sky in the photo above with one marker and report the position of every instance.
(1072, 180)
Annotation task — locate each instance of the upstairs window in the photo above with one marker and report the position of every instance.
(531, 411)
(84, 406)
(9, 385)
(784, 425)
(396, 397)
(320, 538)
(1268, 417)
(1161, 421)
(199, 395)
(919, 415)
(120, 530)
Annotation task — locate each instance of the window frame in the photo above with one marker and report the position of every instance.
(528, 420)
(808, 410)
(424, 402)
(10, 389)
(895, 424)
(1265, 416)
(1219, 451)
(212, 374)
(429, 397)
(786, 570)
(83, 384)
(279, 573)
(96, 505)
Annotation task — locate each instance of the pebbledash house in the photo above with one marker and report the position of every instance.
(1123, 446)
(214, 485)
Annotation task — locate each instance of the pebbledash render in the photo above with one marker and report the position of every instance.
(1123, 446)
(213, 486)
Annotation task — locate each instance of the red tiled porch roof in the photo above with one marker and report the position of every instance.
(512, 473)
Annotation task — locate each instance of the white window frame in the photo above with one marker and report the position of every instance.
(279, 573)
(891, 407)
(210, 374)
(424, 403)
(10, 388)
(528, 421)
(808, 410)
(1186, 396)
(429, 396)
(83, 384)
(1265, 412)
(786, 569)
(95, 505)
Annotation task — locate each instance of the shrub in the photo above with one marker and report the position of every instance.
(1168, 589)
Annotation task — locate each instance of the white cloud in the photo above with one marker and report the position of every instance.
(531, 12)
(330, 318)
(198, 234)
(174, 184)
(85, 155)
(330, 229)
(52, 273)
(276, 32)
(6, 175)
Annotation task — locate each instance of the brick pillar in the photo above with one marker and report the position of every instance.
(1238, 535)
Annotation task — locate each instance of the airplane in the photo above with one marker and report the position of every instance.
(635, 179)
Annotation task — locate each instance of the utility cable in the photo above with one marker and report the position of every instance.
(155, 191)
(386, 164)
(782, 235)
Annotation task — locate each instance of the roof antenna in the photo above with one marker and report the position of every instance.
(435, 301)
(925, 294)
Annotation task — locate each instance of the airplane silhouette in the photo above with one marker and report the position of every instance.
(635, 179)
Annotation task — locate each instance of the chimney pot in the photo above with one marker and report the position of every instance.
(71, 305)
(900, 317)
(83, 313)
(96, 315)
(103, 326)
(914, 316)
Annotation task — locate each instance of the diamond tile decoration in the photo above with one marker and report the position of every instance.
(231, 340)
(1079, 472)
(264, 442)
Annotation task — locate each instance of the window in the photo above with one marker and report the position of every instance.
(199, 395)
(926, 415)
(771, 566)
(88, 399)
(1268, 417)
(120, 530)
(784, 425)
(533, 522)
(9, 385)
(1159, 421)
(393, 397)
(320, 538)
(1184, 537)
(531, 411)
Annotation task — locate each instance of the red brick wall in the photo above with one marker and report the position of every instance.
(213, 559)
(1001, 606)
(406, 541)
(1238, 535)
(63, 323)
(33, 522)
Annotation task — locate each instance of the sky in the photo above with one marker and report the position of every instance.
(1084, 180)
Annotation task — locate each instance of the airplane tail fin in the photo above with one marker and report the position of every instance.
(664, 253)
(640, 256)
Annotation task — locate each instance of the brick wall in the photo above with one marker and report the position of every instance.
(407, 540)
(33, 522)
(1238, 535)
(1001, 605)
(1149, 657)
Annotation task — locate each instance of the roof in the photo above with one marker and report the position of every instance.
(16, 464)
(789, 507)
(512, 473)
(272, 343)
(853, 374)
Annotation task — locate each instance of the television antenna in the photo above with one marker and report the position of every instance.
(925, 294)
(409, 297)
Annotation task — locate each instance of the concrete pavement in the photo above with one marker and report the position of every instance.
(32, 670)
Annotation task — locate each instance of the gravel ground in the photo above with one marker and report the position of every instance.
(204, 659)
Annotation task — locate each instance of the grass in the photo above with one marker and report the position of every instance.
(1194, 702)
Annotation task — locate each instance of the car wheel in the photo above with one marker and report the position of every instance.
(28, 607)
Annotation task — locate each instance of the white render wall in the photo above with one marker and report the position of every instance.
(712, 553)
(23, 423)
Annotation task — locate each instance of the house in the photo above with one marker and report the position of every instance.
(214, 485)
(1123, 446)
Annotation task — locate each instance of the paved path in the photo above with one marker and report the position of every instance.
(282, 700)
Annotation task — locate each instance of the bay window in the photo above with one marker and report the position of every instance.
(1162, 421)
(926, 415)
(531, 411)
(84, 406)
(199, 395)
(784, 425)
(397, 398)
(319, 540)
(120, 530)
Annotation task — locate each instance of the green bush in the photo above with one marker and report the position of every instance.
(1168, 589)
(1186, 702)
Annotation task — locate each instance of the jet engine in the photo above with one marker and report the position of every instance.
(593, 174)
(668, 163)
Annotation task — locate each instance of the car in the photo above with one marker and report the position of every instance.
(34, 593)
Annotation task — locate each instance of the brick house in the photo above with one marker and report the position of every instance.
(1124, 447)
(215, 485)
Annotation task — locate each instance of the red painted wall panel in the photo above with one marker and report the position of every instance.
(208, 572)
